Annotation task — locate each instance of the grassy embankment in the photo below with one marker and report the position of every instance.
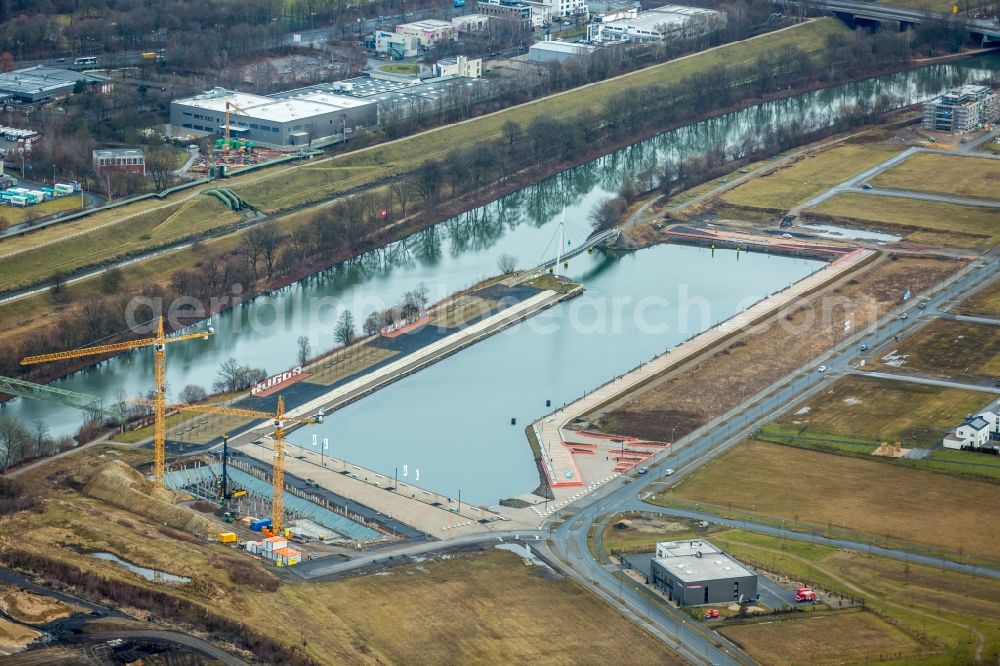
(808, 490)
(470, 608)
(964, 176)
(914, 614)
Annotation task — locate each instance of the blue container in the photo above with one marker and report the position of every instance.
(259, 523)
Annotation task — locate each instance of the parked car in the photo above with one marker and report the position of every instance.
(786, 235)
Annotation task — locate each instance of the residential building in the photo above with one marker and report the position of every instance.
(510, 10)
(119, 160)
(283, 121)
(40, 83)
(471, 22)
(429, 31)
(556, 50)
(562, 8)
(666, 22)
(696, 572)
(397, 45)
(976, 432)
(961, 109)
(459, 66)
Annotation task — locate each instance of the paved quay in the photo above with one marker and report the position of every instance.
(437, 516)
(573, 474)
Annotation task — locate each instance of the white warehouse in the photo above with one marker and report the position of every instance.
(284, 122)
(666, 22)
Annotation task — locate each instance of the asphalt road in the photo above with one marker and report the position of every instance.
(923, 196)
(170, 637)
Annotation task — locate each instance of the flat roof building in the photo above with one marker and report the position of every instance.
(559, 51)
(961, 109)
(696, 572)
(285, 121)
(428, 31)
(120, 160)
(39, 83)
(668, 21)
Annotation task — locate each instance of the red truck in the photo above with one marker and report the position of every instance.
(805, 594)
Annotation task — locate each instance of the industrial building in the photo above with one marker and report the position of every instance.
(696, 572)
(285, 121)
(666, 22)
(119, 160)
(396, 45)
(393, 99)
(429, 31)
(40, 83)
(962, 109)
(559, 51)
(510, 10)
(470, 22)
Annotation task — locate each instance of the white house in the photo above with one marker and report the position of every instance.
(459, 66)
(396, 44)
(974, 431)
(993, 419)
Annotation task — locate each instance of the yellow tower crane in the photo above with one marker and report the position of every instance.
(159, 344)
(234, 107)
(279, 418)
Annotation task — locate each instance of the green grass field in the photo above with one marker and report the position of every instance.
(948, 348)
(808, 177)
(944, 174)
(939, 223)
(914, 614)
(144, 231)
(399, 68)
(829, 491)
(881, 410)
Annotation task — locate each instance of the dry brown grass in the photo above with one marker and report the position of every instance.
(948, 348)
(821, 489)
(840, 638)
(682, 401)
(986, 301)
(476, 608)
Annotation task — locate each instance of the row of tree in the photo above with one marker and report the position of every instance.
(20, 442)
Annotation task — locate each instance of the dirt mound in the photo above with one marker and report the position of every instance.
(32, 608)
(119, 484)
(15, 637)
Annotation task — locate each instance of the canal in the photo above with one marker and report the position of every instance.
(465, 249)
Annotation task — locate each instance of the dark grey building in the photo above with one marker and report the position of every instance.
(696, 572)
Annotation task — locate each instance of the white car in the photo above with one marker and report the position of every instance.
(822, 368)
(669, 471)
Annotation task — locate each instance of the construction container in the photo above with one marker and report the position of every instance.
(62, 188)
(287, 557)
(274, 543)
(257, 524)
(227, 537)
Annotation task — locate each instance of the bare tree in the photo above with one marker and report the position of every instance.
(305, 349)
(235, 377)
(192, 393)
(507, 263)
(111, 279)
(608, 213)
(402, 189)
(372, 324)
(344, 331)
(40, 438)
(159, 166)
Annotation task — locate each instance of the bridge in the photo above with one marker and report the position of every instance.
(853, 11)
(593, 240)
